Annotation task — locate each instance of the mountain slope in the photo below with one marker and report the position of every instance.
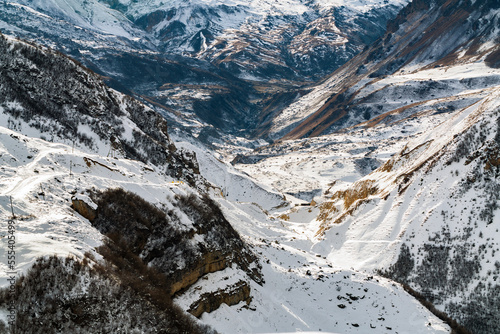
(435, 204)
(161, 234)
(428, 216)
(263, 39)
(393, 78)
(76, 107)
(46, 181)
(47, 225)
(109, 175)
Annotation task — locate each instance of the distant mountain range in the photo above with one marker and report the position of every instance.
(226, 65)
(391, 79)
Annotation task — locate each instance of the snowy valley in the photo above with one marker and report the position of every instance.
(237, 192)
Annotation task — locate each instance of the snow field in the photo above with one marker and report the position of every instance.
(305, 293)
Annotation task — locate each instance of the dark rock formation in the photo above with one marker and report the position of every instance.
(231, 295)
(83, 208)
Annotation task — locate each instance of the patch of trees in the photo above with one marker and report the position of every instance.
(56, 95)
(163, 237)
(70, 296)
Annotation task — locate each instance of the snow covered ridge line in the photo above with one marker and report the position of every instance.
(266, 40)
(99, 17)
(278, 44)
(48, 95)
(283, 51)
(261, 7)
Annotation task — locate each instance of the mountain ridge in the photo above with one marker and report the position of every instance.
(43, 179)
(431, 37)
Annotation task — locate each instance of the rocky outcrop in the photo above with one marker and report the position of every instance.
(208, 263)
(232, 295)
(85, 208)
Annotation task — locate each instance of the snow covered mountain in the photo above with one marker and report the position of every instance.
(220, 66)
(76, 107)
(85, 166)
(435, 54)
(434, 208)
(396, 201)
(405, 180)
(339, 300)
(136, 234)
(282, 37)
(264, 39)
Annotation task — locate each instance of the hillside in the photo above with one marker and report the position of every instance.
(47, 95)
(294, 276)
(90, 173)
(296, 37)
(440, 55)
(428, 217)
(396, 153)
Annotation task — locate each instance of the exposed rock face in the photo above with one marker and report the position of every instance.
(84, 208)
(207, 263)
(232, 295)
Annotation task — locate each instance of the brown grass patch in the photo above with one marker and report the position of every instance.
(325, 209)
(359, 191)
(284, 217)
(325, 227)
(387, 167)
(89, 162)
(353, 198)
